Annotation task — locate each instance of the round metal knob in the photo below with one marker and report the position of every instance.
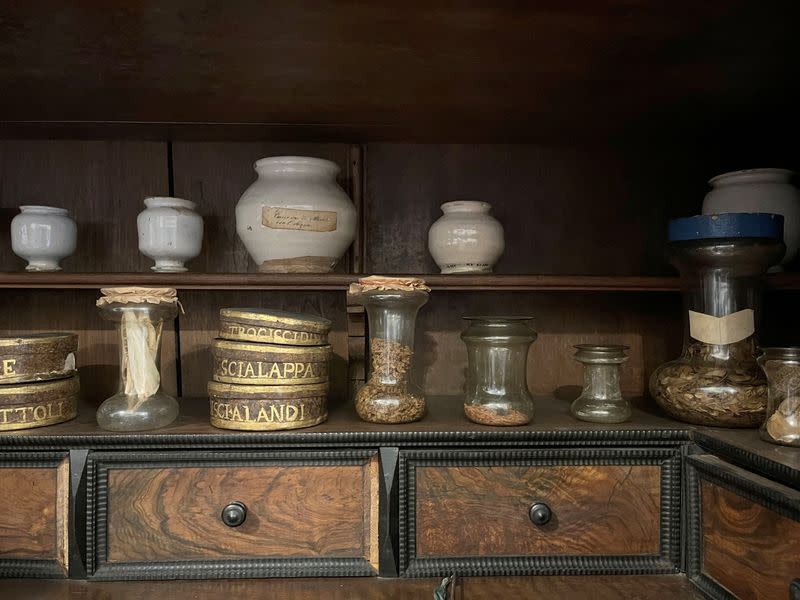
(234, 514)
(540, 513)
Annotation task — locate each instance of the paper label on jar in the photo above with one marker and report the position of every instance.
(299, 220)
(721, 331)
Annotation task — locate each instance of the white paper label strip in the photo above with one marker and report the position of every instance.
(721, 331)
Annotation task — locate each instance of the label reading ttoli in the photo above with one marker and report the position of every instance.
(299, 220)
(721, 331)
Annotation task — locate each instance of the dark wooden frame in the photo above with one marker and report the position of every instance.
(99, 568)
(667, 561)
(700, 467)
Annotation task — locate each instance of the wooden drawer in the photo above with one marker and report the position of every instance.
(744, 531)
(34, 496)
(306, 514)
(610, 511)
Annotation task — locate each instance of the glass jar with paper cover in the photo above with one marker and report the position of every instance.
(722, 260)
(139, 315)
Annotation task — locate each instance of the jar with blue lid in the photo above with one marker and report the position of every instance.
(722, 260)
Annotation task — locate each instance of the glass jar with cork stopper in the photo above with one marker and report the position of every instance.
(139, 314)
(392, 304)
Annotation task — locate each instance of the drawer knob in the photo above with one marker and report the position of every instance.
(540, 513)
(234, 514)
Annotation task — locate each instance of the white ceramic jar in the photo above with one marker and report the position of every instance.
(295, 218)
(43, 235)
(170, 232)
(466, 239)
(759, 190)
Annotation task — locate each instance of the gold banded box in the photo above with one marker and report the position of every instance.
(27, 405)
(269, 364)
(273, 327)
(267, 407)
(37, 357)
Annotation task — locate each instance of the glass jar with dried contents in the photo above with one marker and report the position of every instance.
(139, 315)
(392, 304)
(601, 400)
(496, 391)
(722, 260)
(782, 367)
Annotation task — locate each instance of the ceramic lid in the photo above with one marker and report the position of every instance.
(288, 320)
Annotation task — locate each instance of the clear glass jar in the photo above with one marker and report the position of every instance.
(601, 400)
(496, 391)
(782, 367)
(722, 260)
(390, 395)
(140, 403)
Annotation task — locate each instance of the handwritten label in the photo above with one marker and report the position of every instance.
(298, 220)
(721, 331)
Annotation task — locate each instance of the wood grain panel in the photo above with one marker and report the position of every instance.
(581, 587)
(650, 324)
(748, 548)
(216, 174)
(200, 325)
(590, 210)
(102, 183)
(164, 514)
(483, 511)
(33, 524)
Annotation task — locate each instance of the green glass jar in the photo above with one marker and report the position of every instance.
(497, 386)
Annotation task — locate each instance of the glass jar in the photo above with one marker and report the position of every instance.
(496, 391)
(390, 395)
(721, 260)
(601, 400)
(140, 403)
(782, 367)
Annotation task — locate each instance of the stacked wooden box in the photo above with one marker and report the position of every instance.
(39, 382)
(271, 370)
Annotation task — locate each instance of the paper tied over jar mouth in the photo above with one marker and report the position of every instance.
(139, 295)
(383, 283)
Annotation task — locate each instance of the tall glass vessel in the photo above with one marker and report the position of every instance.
(601, 400)
(497, 386)
(390, 395)
(140, 403)
(722, 260)
(782, 423)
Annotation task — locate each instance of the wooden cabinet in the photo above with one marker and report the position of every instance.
(744, 531)
(161, 515)
(34, 528)
(609, 511)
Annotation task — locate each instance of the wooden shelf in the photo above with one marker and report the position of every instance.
(340, 282)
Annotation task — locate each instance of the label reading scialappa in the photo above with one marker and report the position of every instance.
(298, 220)
(232, 371)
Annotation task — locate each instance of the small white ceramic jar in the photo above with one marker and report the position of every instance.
(763, 191)
(466, 239)
(295, 218)
(170, 232)
(43, 235)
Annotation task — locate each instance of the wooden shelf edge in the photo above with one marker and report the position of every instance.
(341, 281)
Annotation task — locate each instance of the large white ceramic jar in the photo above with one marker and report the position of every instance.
(759, 190)
(43, 235)
(170, 232)
(466, 239)
(295, 218)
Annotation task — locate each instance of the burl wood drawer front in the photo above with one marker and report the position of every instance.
(34, 496)
(472, 511)
(312, 514)
(746, 540)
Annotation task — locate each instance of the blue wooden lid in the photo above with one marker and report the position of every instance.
(728, 225)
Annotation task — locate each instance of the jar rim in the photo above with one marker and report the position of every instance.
(609, 348)
(781, 352)
(53, 210)
(169, 202)
(474, 205)
(784, 174)
(297, 164)
(500, 318)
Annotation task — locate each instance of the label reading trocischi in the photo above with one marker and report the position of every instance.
(298, 220)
